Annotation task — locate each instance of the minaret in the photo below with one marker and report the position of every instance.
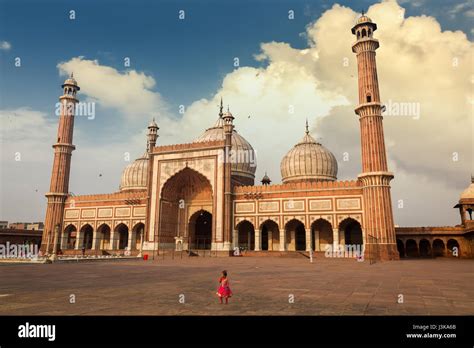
(375, 177)
(59, 187)
(228, 129)
(152, 136)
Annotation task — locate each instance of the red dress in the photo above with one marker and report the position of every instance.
(224, 289)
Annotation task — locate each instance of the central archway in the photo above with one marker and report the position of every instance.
(200, 230)
(182, 194)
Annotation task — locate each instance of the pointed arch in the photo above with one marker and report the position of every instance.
(295, 235)
(270, 235)
(321, 234)
(246, 234)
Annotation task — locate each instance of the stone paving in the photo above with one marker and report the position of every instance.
(261, 286)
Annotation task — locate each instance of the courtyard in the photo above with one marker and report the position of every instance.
(261, 286)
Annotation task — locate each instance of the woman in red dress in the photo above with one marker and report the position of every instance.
(224, 288)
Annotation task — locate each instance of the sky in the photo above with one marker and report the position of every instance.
(264, 58)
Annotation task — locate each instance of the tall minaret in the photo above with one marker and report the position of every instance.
(59, 188)
(228, 129)
(152, 136)
(375, 177)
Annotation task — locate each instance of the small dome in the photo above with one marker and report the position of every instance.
(245, 165)
(153, 124)
(308, 161)
(70, 81)
(363, 19)
(135, 175)
(266, 180)
(469, 192)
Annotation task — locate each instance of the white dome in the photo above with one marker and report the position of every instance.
(308, 160)
(246, 163)
(135, 175)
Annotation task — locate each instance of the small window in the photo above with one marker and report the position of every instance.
(358, 34)
(364, 33)
(369, 98)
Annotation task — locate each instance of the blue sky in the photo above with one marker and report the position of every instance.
(189, 60)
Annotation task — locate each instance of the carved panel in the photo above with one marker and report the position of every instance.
(320, 204)
(293, 205)
(104, 212)
(245, 207)
(119, 212)
(139, 211)
(72, 214)
(348, 204)
(88, 213)
(268, 206)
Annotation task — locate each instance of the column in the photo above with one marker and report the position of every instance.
(335, 237)
(235, 238)
(270, 240)
(64, 238)
(79, 240)
(292, 246)
(113, 240)
(132, 241)
(317, 240)
(96, 238)
(308, 239)
(282, 240)
(258, 240)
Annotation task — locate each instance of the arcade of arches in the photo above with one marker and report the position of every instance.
(102, 238)
(295, 237)
(429, 247)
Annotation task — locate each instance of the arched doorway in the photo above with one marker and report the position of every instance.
(350, 232)
(401, 248)
(453, 248)
(103, 232)
(270, 235)
(411, 248)
(138, 231)
(121, 232)
(246, 233)
(425, 248)
(180, 192)
(321, 235)
(438, 248)
(200, 230)
(69, 237)
(295, 235)
(87, 233)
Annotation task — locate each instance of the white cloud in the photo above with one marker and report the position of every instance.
(130, 92)
(5, 46)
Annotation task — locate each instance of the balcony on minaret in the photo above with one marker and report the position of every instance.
(364, 31)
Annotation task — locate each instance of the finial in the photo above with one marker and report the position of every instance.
(472, 179)
(220, 109)
(307, 128)
(72, 75)
(363, 12)
(228, 108)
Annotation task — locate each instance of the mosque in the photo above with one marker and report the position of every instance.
(202, 195)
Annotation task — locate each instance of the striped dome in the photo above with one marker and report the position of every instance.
(135, 175)
(308, 161)
(468, 194)
(246, 163)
